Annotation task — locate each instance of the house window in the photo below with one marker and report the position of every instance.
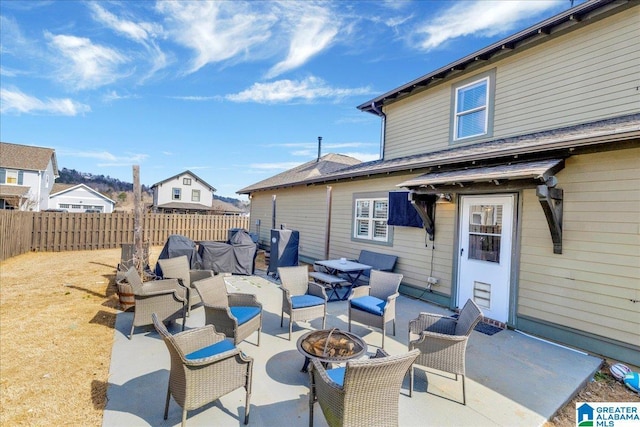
(186, 181)
(472, 104)
(63, 205)
(11, 177)
(176, 193)
(195, 195)
(370, 219)
(76, 206)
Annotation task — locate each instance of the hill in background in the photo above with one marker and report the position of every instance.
(120, 191)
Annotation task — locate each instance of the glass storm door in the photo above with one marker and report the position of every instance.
(484, 267)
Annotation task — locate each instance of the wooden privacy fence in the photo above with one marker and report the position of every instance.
(62, 231)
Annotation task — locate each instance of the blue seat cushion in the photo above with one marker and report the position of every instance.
(212, 350)
(337, 375)
(244, 313)
(369, 304)
(302, 301)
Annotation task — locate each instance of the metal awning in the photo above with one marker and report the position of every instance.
(536, 171)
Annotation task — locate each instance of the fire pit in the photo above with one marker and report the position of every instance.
(330, 346)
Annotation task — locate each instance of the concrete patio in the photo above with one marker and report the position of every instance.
(512, 379)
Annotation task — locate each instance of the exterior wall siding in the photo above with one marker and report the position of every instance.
(590, 74)
(592, 286)
(81, 196)
(165, 192)
(304, 209)
(32, 180)
(260, 207)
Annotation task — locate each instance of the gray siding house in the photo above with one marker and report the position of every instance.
(523, 162)
(27, 174)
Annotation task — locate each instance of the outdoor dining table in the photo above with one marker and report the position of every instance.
(350, 269)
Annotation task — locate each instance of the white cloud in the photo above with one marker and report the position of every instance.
(216, 31)
(86, 65)
(139, 32)
(143, 33)
(485, 18)
(115, 96)
(313, 30)
(107, 159)
(16, 101)
(196, 98)
(283, 91)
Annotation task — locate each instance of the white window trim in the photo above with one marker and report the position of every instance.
(489, 107)
(193, 195)
(370, 236)
(175, 190)
(484, 108)
(14, 175)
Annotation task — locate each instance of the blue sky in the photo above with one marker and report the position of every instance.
(236, 92)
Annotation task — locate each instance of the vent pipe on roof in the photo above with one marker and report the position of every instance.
(319, 146)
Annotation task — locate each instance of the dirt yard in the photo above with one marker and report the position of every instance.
(57, 314)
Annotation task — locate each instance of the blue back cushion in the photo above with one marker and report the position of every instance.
(337, 375)
(369, 304)
(243, 314)
(212, 350)
(301, 301)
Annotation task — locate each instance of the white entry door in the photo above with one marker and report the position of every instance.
(484, 267)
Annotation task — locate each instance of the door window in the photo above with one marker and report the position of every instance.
(485, 231)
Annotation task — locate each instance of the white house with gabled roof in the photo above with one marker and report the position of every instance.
(79, 198)
(182, 193)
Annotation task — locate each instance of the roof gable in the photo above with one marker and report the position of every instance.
(27, 157)
(61, 189)
(182, 174)
(569, 20)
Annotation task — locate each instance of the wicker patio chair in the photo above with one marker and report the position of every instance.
(237, 315)
(442, 341)
(179, 268)
(167, 298)
(362, 393)
(204, 367)
(375, 304)
(301, 299)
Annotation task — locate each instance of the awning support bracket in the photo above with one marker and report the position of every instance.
(425, 205)
(551, 201)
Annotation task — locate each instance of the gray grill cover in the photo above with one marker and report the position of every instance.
(177, 245)
(236, 257)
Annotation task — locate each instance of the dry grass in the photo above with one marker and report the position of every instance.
(57, 313)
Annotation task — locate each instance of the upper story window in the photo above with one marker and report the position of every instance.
(473, 101)
(176, 193)
(11, 177)
(195, 195)
(370, 219)
(186, 181)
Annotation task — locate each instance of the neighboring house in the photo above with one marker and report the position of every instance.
(27, 174)
(182, 193)
(220, 207)
(79, 198)
(523, 160)
(306, 211)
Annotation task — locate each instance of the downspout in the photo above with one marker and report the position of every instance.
(327, 227)
(383, 125)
